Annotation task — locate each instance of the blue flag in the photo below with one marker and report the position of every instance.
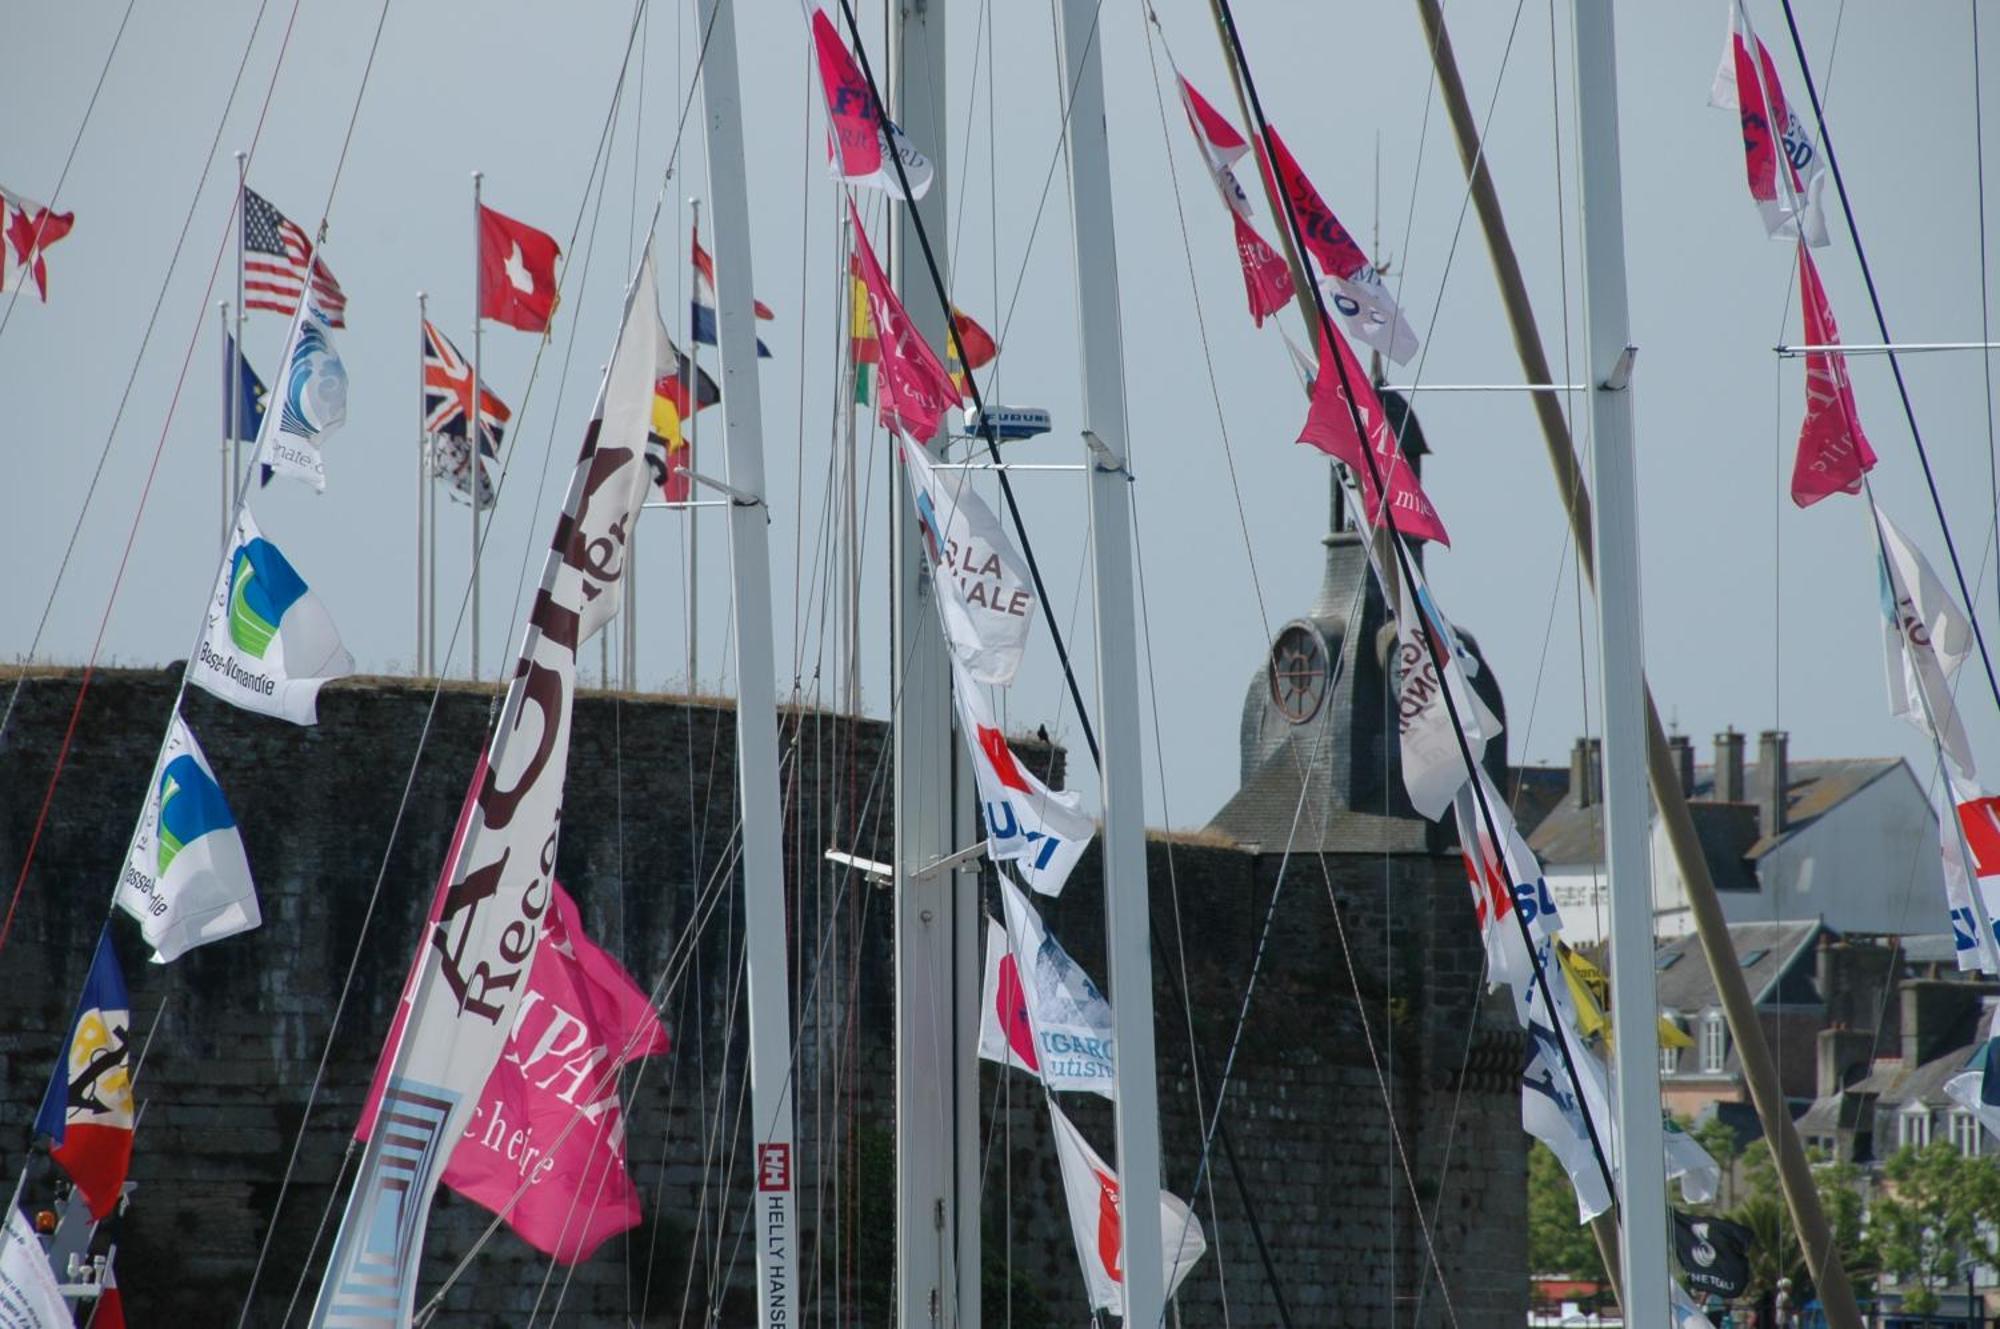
(250, 402)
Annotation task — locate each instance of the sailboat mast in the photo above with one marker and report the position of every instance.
(773, 1221)
(1127, 916)
(936, 937)
(1642, 1246)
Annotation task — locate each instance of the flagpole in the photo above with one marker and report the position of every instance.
(229, 393)
(471, 432)
(423, 467)
(235, 444)
(690, 394)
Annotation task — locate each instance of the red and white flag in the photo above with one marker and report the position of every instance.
(27, 229)
(1039, 1010)
(1097, 1220)
(517, 272)
(856, 149)
(279, 266)
(1267, 282)
(1329, 427)
(1786, 189)
(916, 388)
(1042, 832)
(1833, 453)
(1969, 838)
(1504, 880)
(1352, 284)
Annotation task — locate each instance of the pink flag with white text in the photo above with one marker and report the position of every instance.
(1833, 453)
(849, 107)
(916, 389)
(1330, 428)
(1267, 282)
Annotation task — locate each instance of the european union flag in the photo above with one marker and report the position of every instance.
(250, 404)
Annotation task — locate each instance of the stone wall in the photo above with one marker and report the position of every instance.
(239, 1027)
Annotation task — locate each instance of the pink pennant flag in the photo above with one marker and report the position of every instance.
(856, 138)
(1330, 428)
(1833, 453)
(916, 389)
(1326, 238)
(1267, 280)
(1219, 138)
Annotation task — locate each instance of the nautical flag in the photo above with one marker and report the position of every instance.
(545, 1145)
(27, 229)
(672, 384)
(451, 461)
(1714, 1254)
(1352, 285)
(1925, 638)
(87, 1112)
(1041, 1011)
(1042, 832)
(1751, 89)
(1551, 1109)
(448, 395)
(1833, 453)
(1434, 768)
(251, 393)
(186, 878)
(473, 961)
(517, 272)
(916, 389)
(1096, 1217)
(856, 150)
(312, 401)
(1700, 1175)
(1969, 840)
(1329, 427)
(1503, 882)
(277, 261)
(269, 644)
(30, 1297)
(702, 305)
(1267, 281)
(666, 446)
(864, 344)
(984, 597)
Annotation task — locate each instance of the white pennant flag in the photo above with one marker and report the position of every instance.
(270, 644)
(473, 963)
(1039, 1009)
(1433, 765)
(1977, 1088)
(984, 596)
(1362, 300)
(1504, 884)
(30, 1297)
(1925, 639)
(186, 878)
(1097, 1221)
(312, 401)
(1749, 86)
(1042, 832)
(1553, 1111)
(1700, 1175)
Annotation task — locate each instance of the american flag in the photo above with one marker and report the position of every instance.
(276, 254)
(448, 392)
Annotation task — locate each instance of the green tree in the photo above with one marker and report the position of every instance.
(1719, 1139)
(1774, 1245)
(1938, 1212)
(1558, 1245)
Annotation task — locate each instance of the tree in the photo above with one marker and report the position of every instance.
(1558, 1245)
(1774, 1246)
(1718, 1137)
(1938, 1212)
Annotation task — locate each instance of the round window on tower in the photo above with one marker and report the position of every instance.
(1299, 676)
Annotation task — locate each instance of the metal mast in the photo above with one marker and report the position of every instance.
(1127, 917)
(1642, 1246)
(773, 1223)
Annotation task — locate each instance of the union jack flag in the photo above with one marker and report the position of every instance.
(277, 254)
(448, 395)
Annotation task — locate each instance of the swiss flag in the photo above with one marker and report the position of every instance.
(517, 272)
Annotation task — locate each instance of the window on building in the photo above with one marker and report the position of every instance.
(1714, 1043)
(1913, 1127)
(1964, 1132)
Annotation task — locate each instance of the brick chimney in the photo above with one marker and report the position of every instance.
(1586, 772)
(1729, 766)
(1773, 767)
(1937, 1015)
(1683, 750)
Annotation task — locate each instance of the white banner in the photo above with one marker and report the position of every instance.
(1096, 1217)
(1552, 1110)
(1040, 1011)
(1779, 199)
(1433, 764)
(29, 1295)
(1042, 832)
(312, 400)
(475, 958)
(186, 878)
(984, 595)
(1925, 638)
(269, 644)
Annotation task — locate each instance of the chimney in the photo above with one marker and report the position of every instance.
(1683, 750)
(1843, 1057)
(1729, 766)
(1938, 1014)
(1586, 772)
(1774, 770)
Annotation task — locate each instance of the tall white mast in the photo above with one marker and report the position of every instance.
(1642, 1246)
(1127, 917)
(936, 937)
(773, 1222)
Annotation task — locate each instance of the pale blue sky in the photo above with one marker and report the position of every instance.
(521, 91)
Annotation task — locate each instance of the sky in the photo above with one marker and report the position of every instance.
(1757, 614)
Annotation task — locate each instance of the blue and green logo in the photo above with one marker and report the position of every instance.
(191, 805)
(262, 586)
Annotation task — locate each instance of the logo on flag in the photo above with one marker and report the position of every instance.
(313, 402)
(186, 879)
(1751, 89)
(857, 151)
(1433, 764)
(278, 265)
(1096, 1215)
(985, 598)
(270, 644)
(517, 272)
(1042, 832)
(1041, 1011)
(87, 1112)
